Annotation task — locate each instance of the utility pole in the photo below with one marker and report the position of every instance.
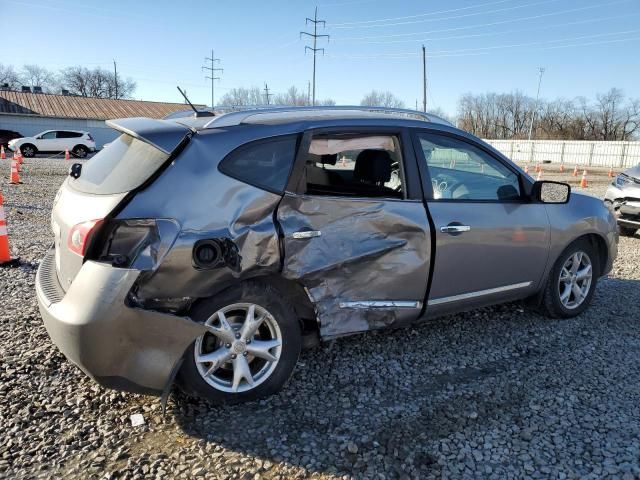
(535, 107)
(315, 50)
(266, 93)
(309, 92)
(424, 79)
(115, 76)
(213, 77)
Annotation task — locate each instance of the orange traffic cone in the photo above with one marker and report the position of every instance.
(5, 251)
(610, 172)
(66, 154)
(539, 177)
(18, 156)
(583, 182)
(526, 169)
(15, 176)
(562, 168)
(3, 155)
(575, 171)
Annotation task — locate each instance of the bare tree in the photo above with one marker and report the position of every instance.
(293, 97)
(242, 97)
(98, 83)
(610, 117)
(37, 76)
(9, 77)
(381, 99)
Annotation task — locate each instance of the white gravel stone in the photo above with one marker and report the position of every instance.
(499, 392)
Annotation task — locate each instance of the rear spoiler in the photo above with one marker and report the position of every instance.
(161, 134)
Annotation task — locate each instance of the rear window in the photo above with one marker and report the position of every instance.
(265, 164)
(120, 167)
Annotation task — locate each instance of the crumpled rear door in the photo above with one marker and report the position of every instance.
(364, 262)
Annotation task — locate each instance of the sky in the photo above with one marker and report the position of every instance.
(585, 46)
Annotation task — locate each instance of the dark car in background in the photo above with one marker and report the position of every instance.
(6, 135)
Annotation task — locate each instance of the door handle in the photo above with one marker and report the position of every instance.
(306, 234)
(455, 228)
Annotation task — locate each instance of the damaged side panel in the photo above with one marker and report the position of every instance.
(234, 219)
(364, 262)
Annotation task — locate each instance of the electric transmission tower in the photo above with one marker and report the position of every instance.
(315, 50)
(213, 69)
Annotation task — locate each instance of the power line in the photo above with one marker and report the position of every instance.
(490, 24)
(418, 15)
(501, 32)
(213, 69)
(453, 17)
(315, 50)
(408, 55)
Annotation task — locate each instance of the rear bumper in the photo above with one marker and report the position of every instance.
(119, 346)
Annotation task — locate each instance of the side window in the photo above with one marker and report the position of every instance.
(355, 165)
(265, 163)
(462, 171)
(63, 134)
(49, 136)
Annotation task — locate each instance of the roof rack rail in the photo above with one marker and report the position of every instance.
(235, 117)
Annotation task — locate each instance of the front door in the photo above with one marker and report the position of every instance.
(352, 233)
(47, 142)
(491, 243)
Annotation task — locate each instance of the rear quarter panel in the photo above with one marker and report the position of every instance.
(207, 205)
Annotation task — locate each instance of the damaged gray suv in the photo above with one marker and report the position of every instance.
(210, 250)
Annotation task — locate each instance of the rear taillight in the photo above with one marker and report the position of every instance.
(89, 137)
(129, 243)
(80, 236)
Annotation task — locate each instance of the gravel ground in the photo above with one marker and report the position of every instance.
(495, 393)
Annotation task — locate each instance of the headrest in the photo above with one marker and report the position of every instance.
(329, 159)
(373, 166)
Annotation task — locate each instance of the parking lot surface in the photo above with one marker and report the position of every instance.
(499, 392)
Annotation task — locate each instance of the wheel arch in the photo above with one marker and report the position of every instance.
(297, 295)
(599, 244)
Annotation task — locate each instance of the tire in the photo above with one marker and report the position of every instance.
(28, 150)
(218, 387)
(627, 231)
(552, 304)
(80, 151)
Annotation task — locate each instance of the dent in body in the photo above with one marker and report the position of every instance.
(207, 205)
(368, 250)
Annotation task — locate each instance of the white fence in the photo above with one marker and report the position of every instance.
(574, 152)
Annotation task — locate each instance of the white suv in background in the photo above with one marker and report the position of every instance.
(54, 141)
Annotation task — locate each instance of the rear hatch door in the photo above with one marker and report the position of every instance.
(105, 181)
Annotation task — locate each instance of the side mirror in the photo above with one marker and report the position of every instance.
(551, 192)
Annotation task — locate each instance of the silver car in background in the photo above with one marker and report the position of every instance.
(212, 249)
(623, 195)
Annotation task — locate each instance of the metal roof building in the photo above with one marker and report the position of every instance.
(31, 113)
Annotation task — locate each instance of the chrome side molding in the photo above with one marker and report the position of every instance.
(383, 304)
(479, 293)
(305, 234)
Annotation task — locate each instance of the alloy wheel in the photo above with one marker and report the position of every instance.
(575, 280)
(240, 349)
